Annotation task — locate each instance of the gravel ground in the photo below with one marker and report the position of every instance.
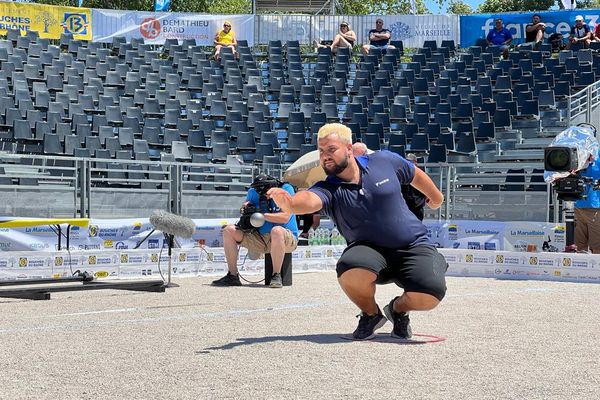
(504, 340)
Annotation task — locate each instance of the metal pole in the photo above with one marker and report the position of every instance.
(447, 191)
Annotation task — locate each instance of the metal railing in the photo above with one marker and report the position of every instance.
(584, 106)
(88, 187)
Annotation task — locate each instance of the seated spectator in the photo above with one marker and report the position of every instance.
(534, 32)
(500, 36)
(580, 34)
(225, 38)
(596, 34)
(379, 38)
(345, 38)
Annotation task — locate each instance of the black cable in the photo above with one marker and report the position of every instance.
(242, 264)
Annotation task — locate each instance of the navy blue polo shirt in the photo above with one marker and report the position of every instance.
(499, 37)
(374, 210)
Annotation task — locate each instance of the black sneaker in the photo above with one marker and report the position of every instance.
(401, 321)
(276, 281)
(228, 280)
(367, 325)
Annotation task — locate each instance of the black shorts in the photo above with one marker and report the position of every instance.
(420, 269)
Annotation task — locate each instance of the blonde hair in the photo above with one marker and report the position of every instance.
(342, 131)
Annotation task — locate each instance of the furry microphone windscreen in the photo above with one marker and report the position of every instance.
(173, 224)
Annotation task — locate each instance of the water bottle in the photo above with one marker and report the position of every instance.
(325, 237)
(335, 236)
(311, 237)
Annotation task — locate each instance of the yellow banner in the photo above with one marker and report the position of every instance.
(48, 21)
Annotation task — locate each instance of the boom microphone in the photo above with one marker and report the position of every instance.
(172, 224)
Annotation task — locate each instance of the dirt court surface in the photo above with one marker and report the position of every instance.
(503, 340)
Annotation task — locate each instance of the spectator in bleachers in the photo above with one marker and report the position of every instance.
(534, 32)
(225, 38)
(379, 38)
(345, 38)
(500, 36)
(580, 34)
(277, 236)
(596, 34)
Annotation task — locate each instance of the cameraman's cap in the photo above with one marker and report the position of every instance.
(579, 18)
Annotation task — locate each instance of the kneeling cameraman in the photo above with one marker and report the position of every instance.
(278, 235)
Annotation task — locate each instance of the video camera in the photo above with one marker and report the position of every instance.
(252, 217)
(570, 153)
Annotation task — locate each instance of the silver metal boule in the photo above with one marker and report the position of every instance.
(257, 220)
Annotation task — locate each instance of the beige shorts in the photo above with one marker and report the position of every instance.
(587, 229)
(258, 243)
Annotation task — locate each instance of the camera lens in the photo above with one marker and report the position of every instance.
(559, 159)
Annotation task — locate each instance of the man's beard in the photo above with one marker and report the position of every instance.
(337, 168)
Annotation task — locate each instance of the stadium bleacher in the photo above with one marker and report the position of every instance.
(134, 101)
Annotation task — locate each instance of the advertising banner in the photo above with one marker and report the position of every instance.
(127, 234)
(139, 264)
(155, 27)
(413, 30)
(475, 26)
(49, 21)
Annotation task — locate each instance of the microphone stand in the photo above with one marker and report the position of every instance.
(170, 240)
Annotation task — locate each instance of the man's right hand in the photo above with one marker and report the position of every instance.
(282, 198)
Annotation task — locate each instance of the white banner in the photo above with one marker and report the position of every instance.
(413, 30)
(125, 234)
(155, 27)
(211, 261)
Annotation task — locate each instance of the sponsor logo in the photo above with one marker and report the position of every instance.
(150, 28)
(56, 275)
(124, 258)
(88, 247)
(452, 228)
(92, 260)
(5, 245)
(108, 244)
(75, 23)
(93, 230)
(489, 246)
(22, 262)
(557, 272)
(182, 257)
(400, 31)
(101, 274)
(137, 226)
(566, 262)
(329, 253)
(469, 258)
(533, 260)
(58, 261)
(153, 243)
(210, 256)
(39, 245)
(154, 257)
(473, 245)
(499, 259)
(121, 246)
(307, 254)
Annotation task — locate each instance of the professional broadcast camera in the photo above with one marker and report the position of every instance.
(570, 153)
(252, 217)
